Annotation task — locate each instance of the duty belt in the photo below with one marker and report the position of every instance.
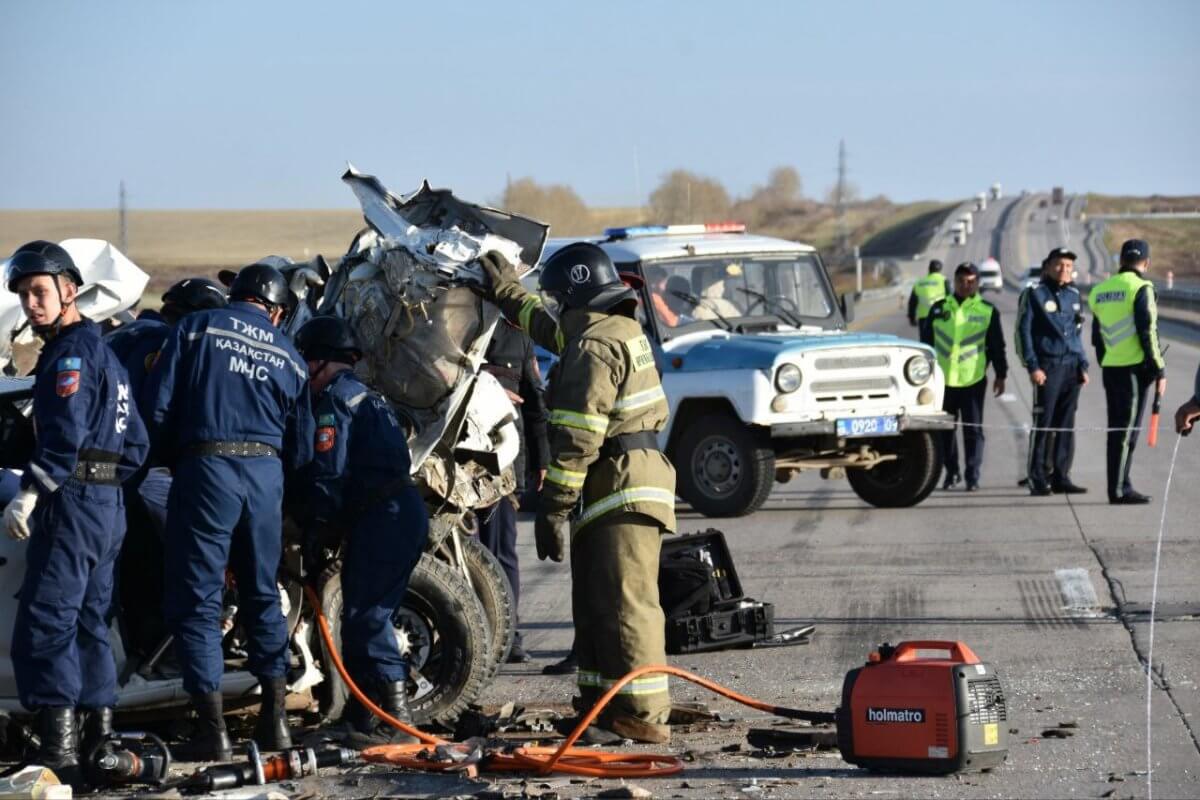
(102, 472)
(237, 449)
(627, 442)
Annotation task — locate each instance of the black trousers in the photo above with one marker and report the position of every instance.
(1126, 389)
(498, 533)
(965, 403)
(1054, 405)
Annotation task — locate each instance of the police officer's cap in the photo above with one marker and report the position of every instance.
(1060, 252)
(935, 265)
(966, 268)
(583, 276)
(195, 294)
(1135, 251)
(261, 282)
(328, 338)
(40, 258)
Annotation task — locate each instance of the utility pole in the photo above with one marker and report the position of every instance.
(122, 230)
(840, 199)
(637, 185)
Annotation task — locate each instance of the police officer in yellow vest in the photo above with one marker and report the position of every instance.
(925, 292)
(606, 474)
(964, 330)
(1125, 335)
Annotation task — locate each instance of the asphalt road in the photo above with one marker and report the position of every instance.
(985, 568)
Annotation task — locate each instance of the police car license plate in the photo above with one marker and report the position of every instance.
(868, 426)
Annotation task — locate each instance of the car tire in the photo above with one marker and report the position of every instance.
(449, 640)
(495, 595)
(904, 482)
(724, 468)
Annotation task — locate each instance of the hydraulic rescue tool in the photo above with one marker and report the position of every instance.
(292, 764)
(127, 758)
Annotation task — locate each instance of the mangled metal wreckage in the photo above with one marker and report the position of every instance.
(405, 286)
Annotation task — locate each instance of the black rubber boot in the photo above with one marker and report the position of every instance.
(271, 732)
(210, 742)
(394, 700)
(59, 749)
(97, 725)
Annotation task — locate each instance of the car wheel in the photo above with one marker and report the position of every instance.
(902, 482)
(495, 595)
(725, 469)
(442, 629)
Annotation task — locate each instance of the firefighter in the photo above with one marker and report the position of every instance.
(925, 292)
(510, 358)
(1049, 324)
(230, 409)
(89, 439)
(1125, 335)
(606, 407)
(964, 330)
(360, 498)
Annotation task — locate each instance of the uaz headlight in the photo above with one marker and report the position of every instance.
(787, 378)
(917, 370)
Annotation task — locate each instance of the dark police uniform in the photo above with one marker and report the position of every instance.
(359, 482)
(510, 358)
(230, 398)
(89, 439)
(1048, 327)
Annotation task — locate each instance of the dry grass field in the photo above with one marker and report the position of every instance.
(1174, 243)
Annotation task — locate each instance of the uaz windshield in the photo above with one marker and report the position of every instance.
(789, 289)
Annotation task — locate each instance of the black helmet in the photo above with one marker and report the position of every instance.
(581, 275)
(935, 265)
(40, 258)
(261, 282)
(328, 338)
(194, 294)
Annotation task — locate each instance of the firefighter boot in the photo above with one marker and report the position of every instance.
(97, 725)
(271, 732)
(58, 750)
(210, 742)
(394, 700)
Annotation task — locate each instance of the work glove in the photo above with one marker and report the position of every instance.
(548, 532)
(16, 514)
(498, 270)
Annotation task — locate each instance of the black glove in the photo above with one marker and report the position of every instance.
(498, 270)
(321, 542)
(548, 532)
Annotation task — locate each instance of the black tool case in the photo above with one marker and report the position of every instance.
(702, 597)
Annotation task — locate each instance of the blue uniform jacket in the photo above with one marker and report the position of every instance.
(136, 346)
(82, 401)
(360, 448)
(1051, 326)
(229, 375)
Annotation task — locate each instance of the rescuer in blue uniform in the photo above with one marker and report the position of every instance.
(231, 411)
(360, 497)
(1052, 349)
(136, 346)
(89, 439)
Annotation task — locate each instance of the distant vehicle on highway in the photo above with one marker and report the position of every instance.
(1032, 277)
(990, 278)
(996, 191)
(764, 380)
(1056, 195)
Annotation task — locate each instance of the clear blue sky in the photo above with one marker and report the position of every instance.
(259, 104)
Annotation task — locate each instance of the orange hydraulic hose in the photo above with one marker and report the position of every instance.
(565, 758)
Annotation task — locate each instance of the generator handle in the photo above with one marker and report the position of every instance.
(907, 651)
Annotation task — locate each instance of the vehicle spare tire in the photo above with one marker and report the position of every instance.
(723, 467)
(442, 628)
(905, 481)
(495, 595)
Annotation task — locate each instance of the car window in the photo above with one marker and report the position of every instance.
(788, 289)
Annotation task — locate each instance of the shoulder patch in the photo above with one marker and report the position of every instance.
(327, 419)
(326, 439)
(640, 353)
(67, 382)
(69, 363)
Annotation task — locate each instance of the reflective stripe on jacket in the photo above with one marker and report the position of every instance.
(959, 338)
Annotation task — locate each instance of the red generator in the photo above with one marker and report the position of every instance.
(930, 707)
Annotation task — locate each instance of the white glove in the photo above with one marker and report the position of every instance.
(16, 514)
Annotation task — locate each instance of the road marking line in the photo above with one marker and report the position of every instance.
(1078, 593)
